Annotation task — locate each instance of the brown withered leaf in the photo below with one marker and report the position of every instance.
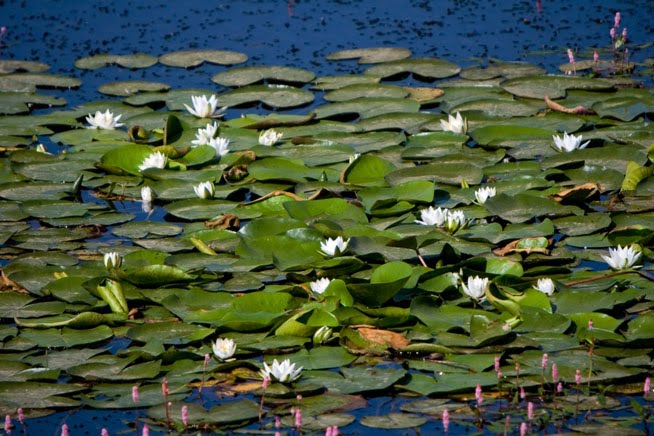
(512, 247)
(8, 285)
(384, 337)
(579, 110)
(577, 194)
(227, 221)
(422, 95)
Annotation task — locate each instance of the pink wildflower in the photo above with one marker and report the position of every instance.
(185, 415)
(104, 432)
(530, 411)
(265, 382)
(206, 361)
(164, 388)
(595, 57)
(497, 363)
(64, 430)
(523, 429)
(135, 394)
(278, 422)
(624, 35)
(578, 377)
(146, 430)
(543, 362)
(8, 424)
(590, 325)
(523, 395)
(298, 418)
(478, 396)
(571, 56)
(446, 420)
(21, 416)
(647, 386)
(559, 388)
(612, 33)
(555, 373)
(616, 20)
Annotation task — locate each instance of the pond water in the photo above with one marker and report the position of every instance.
(302, 34)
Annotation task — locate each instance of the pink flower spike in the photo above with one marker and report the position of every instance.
(530, 411)
(146, 430)
(571, 56)
(523, 429)
(590, 325)
(624, 35)
(446, 420)
(3, 30)
(523, 395)
(578, 377)
(8, 424)
(612, 33)
(507, 424)
(543, 362)
(164, 388)
(104, 432)
(185, 415)
(21, 416)
(616, 20)
(555, 373)
(206, 361)
(647, 386)
(265, 382)
(559, 388)
(278, 422)
(135, 394)
(298, 418)
(64, 430)
(595, 57)
(497, 364)
(478, 396)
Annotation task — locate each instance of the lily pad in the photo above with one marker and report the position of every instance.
(136, 60)
(194, 58)
(425, 67)
(248, 75)
(371, 55)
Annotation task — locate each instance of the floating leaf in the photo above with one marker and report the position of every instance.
(248, 75)
(371, 55)
(193, 58)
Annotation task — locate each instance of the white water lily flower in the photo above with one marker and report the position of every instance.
(284, 372)
(353, 157)
(112, 260)
(476, 287)
(269, 137)
(204, 190)
(455, 221)
(432, 217)
(546, 286)
(569, 143)
(224, 348)
(103, 120)
(319, 286)
(204, 107)
(483, 194)
(220, 145)
(154, 160)
(40, 148)
(456, 124)
(622, 257)
(203, 136)
(146, 194)
(334, 247)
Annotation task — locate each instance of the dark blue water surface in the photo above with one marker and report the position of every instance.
(301, 33)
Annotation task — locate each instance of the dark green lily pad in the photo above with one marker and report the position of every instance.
(393, 421)
(12, 66)
(552, 86)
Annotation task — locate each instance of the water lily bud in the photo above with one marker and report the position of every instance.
(322, 335)
(112, 260)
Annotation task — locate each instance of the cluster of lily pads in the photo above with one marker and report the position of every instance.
(399, 237)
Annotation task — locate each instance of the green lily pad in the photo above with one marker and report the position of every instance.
(552, 86)
(371, 55)
(194, 58)
(136, 60)
(131, 87)
(277, 96)
(12, 66)
(248, 75)
(424, 67)
(393, 421)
